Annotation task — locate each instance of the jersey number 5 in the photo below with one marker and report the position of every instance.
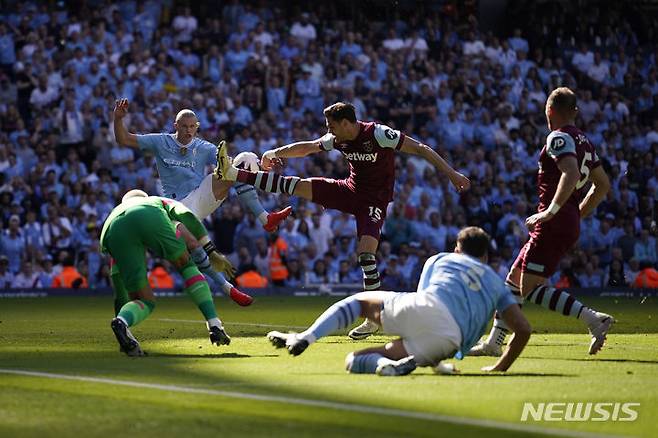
(584, 171)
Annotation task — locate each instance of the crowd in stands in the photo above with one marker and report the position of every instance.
(259, 74)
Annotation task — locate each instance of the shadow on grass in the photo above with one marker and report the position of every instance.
(208, 356)
(646, 361)
(510, 375)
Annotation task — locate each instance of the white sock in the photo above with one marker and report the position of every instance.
(227, 287)
(588, 316)
(262, 218)
(214, 322)
(307, 336)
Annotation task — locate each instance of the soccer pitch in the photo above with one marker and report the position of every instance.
(61, 374)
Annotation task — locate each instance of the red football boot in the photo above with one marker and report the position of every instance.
(240, 297)
(275, 218)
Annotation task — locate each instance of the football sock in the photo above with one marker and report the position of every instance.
(120, 291)
(136, 311)
(196, 287)
(249, 198)
(269, 181)
(339, 316)
(200, 258)
(365, 363)
(562, 302)
(500, 329)
(368, 264)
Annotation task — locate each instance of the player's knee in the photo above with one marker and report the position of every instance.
(182, 260)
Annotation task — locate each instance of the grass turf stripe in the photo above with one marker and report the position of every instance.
(350, 407)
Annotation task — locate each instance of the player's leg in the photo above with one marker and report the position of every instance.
(493, 345)
(369, 220)
(161, 239)
(249, 199)
(199, 255)
(267, 181)
(391, 359)
(542, 258)
(130, 266)
(428, 334)
(339, 316)
(118, 288)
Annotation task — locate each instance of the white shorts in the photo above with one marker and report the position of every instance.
(428, 330)
(202, 200)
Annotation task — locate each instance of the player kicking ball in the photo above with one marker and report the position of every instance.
(144, 222)
(456, 297)
(567, 163)
(370, 150)
(182, 159)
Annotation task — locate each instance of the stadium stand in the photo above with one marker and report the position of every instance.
(259, 74)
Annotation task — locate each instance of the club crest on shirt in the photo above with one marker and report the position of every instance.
(367, 146)
(390, 134)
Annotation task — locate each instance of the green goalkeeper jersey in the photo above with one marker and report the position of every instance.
(174, 210)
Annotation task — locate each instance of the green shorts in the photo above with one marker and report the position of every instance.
(131, 233)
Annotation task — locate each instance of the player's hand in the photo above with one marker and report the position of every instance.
(121, 109)
(269, 160)
(538, 218)
(220, 263)
(460, 181)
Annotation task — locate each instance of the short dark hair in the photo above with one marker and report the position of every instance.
(340, 111)
(474, 241)
(562, 100)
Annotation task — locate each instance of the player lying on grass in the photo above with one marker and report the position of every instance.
(144, 222)
(369, 149)
(181, 159)
(567, 163)
(456, 296)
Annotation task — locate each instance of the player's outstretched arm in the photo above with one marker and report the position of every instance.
(521, 328)
(293, 150)
(596, 193)
(414, 147)
(122, 136)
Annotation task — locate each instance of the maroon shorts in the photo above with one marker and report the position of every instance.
(338, 195)
(543, 251)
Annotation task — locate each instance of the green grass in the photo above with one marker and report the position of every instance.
(71, 336)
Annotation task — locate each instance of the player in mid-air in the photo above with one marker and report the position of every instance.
(456, 297)
(181, 159)
(567, 163)
(139, 223)
(369, 148)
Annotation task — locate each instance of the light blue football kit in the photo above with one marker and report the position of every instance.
(184, 177)
(180, 173)
(470, 289)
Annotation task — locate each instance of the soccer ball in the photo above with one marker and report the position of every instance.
(247, 161)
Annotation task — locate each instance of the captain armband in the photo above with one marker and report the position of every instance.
(209, 247)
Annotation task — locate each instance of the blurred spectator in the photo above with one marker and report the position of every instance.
(645, 248)
(475, 97)
(68, 277)
(251, 278)
(160, 278)
(278, 252)
(27, 278)
(6, 277)
(647, 277)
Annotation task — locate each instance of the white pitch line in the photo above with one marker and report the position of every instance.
(349, 407)
(250, 324)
